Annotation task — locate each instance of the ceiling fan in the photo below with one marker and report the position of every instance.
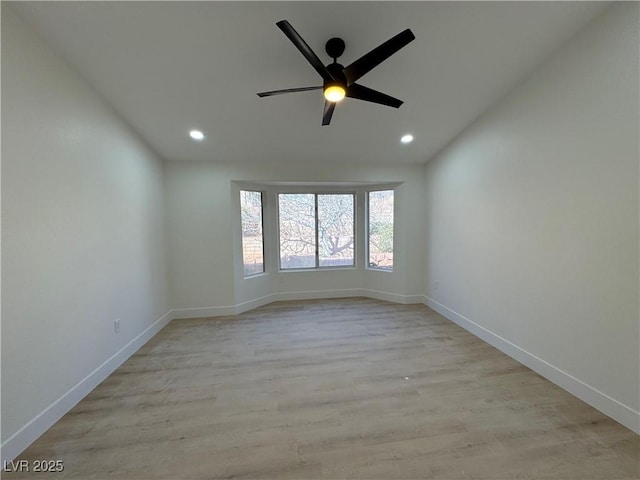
(339, 81)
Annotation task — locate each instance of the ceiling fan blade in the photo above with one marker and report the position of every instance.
(329, 107)
(378, 55)
(360, 92)
(288, 90)
(305, 49)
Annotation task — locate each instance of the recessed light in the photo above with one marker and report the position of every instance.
(196, 135)
(408, 138)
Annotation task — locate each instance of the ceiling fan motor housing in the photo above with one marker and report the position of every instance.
(337, 72)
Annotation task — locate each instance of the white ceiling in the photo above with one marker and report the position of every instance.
(167, 67)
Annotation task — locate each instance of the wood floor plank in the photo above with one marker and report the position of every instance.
(329, 389)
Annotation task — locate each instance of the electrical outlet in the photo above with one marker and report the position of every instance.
(281, 278)
(116, 325)
(436, 285)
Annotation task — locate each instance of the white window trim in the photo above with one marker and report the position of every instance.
(316, 193)
(263, 196)
(367, 265)
(271, 222)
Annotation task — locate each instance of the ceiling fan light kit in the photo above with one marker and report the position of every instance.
(339, 81)
(334, 92)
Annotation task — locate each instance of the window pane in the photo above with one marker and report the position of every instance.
(380, 210)
(335, 229)
(252, 240)
(297, 230)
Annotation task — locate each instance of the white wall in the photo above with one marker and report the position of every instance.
(532, 219)
(82, 237)
(202, 207)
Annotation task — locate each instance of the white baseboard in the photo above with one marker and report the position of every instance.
(203, 312)
(611, 407)
(255, 303)
(229, 310)
(24, 437)
(316, 294)
(393, 297)
(348, 292)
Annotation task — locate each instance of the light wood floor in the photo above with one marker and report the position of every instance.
(349, 388)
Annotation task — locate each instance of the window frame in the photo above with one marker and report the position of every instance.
(315, 194)
(262, 215)
(368, 229)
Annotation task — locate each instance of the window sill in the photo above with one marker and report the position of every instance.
(321, 269)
